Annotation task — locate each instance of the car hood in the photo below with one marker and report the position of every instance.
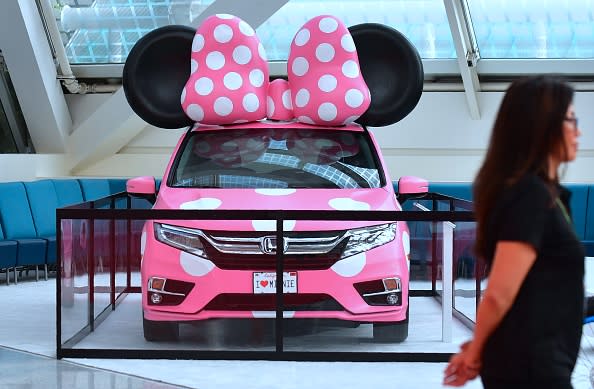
(377, 199)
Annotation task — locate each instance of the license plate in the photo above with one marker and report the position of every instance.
(265, 282)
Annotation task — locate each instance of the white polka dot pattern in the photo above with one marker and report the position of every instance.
(323, 58)
(327, 112)
(257, 78)
(302, 98)
(223, 106)
(275, 192)
(223, 33)
(354, 98)
(202, 204)
(406, 246)
(242, 55)
(406, 243)
(302, 37)
(195, 112)
(194, 265)
(278, 106)
(270, 225)
(215, 60)
(328, 25)
(204, 86)
(299, 66)
(142, 241)
(246, 29)
(347, 204)
(229, 74)
(232, 80)
(197, 43)
(251, 102)
(351, 266)
(327, 83)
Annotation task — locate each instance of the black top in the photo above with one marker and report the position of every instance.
(539, 338)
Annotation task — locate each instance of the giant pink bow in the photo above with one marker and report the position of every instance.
(229, 80)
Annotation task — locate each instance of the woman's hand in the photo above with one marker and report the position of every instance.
(463, 367)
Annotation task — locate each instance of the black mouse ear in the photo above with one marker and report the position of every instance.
(155, 74)
(393, 71)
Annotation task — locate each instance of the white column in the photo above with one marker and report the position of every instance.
(447, 275)
(33, 73)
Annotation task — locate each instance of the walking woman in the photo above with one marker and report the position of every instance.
(529, 321)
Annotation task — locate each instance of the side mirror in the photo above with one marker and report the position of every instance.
(412, 184)
(144, 185)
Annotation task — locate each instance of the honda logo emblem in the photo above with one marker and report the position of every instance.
(268, 245)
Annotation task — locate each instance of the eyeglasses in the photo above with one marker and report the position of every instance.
(574, 121)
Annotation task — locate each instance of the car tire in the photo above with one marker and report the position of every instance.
(159, 331)
(395, 332)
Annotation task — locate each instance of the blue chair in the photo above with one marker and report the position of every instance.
(459, 190)
(68, 192)
(18, 225)
(43, 202)
(8, 254)
(94, 188)
(117, 185)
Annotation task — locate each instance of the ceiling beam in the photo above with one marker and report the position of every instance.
(466, 52)
(33, 74)
(103, 133)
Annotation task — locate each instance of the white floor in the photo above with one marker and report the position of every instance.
(28, 324)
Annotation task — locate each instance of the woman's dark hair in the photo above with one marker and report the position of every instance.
(527, 131)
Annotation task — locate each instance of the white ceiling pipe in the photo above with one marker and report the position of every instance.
(65, 74)
(64, 71)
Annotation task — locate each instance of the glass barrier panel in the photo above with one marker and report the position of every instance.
(346, 285)
(465, 269)
(421, 254)
(74, 279)
(99, 266)
(232, 317)
(369, 301)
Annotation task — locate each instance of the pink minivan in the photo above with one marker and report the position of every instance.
(195, 270)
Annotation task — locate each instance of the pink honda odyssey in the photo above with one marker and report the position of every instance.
(287, 157)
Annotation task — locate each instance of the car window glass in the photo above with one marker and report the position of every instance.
(277, 158)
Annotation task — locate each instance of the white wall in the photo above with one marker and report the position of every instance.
(438, 141)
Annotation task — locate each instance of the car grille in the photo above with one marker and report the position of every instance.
(257, 251)
(267, 302)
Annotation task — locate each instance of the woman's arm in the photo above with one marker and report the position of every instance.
(511, 264)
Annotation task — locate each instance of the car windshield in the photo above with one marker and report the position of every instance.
(277, 158)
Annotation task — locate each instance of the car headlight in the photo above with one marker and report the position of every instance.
(367, 238)
(181, 238)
